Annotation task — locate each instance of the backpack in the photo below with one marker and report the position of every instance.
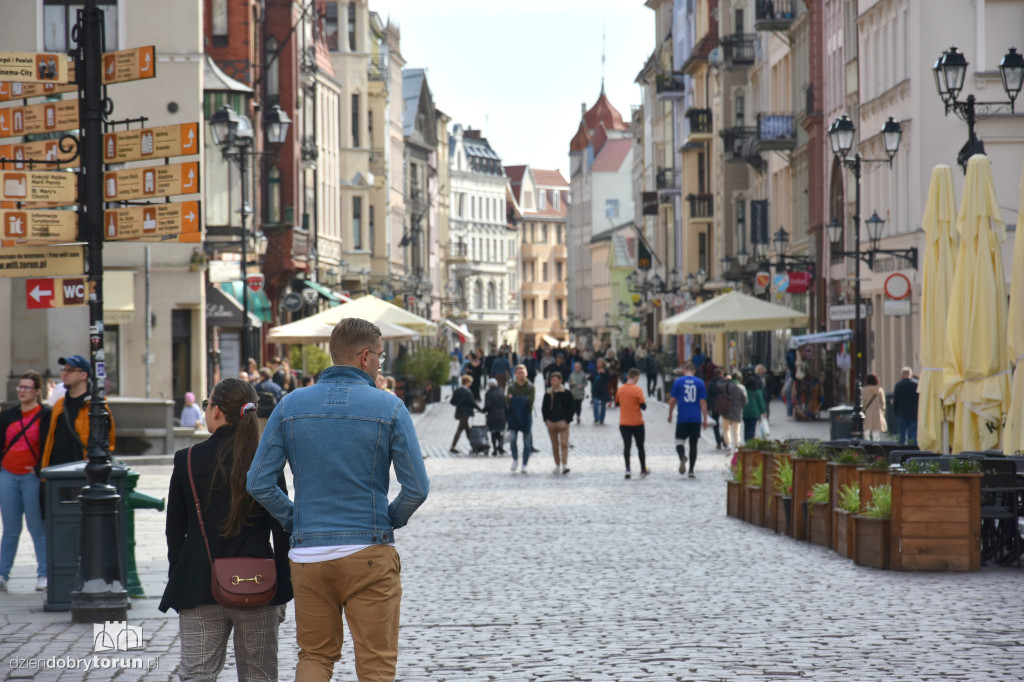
(722, 402)
(265, 403)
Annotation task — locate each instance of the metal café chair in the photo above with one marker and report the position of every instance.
(1000, 507)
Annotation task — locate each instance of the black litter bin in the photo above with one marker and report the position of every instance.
(62, 485)
(840, 422)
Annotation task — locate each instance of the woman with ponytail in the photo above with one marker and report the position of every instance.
(236, 526)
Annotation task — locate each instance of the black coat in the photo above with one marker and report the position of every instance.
(558, 406)
(463, 401)
(188, 583)
(904, 399)
(495, 407)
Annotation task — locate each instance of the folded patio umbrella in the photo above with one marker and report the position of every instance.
(1013, 438)
(976, 369)
(941, 243)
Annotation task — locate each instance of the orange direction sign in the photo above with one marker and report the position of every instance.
(47, 150)
(47, 117)
(159, 221)
(26, 227)
(56, 293)
(48, 187)
(9, 91)
(40, 261)
(129, 65)
(34, 67)
(157, 181)
(151, 143)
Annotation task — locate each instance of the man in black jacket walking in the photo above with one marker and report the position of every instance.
(904, 403)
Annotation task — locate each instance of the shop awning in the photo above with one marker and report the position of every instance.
(835, 336)
(225, 311)
(259, 304)
(461, 330)
(332, 296)
(551, 341)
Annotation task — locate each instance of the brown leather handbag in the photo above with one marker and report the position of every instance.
(236, 582)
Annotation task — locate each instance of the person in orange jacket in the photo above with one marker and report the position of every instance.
(67, 439)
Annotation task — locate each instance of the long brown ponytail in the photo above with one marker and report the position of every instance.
(237, 400)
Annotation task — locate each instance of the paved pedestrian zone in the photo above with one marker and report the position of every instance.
(590, 576)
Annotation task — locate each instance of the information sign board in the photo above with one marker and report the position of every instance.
(151, 143)
(157, 181)
(34, 67)
(34, 119)
(55, 261)
(159, 221)
(50, 187)
(55, 293)
(48, 227)
(135, 64)
(45, 150)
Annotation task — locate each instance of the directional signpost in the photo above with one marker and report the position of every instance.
(158, 181)
(151, 143)
(45, 151)
(26, 227)
(55, 293)
(15, 90)
(159, 221)
(24, 261)
(46, 117)
(34, 67)
(49, 187)
(129, 65)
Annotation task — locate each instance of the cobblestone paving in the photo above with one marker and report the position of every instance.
(589, 576)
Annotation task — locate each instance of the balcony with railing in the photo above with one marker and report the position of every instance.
(775, 133)
(739, 49)
(377, 161)
(700, 121)
(670, 86)
(774, 15)
(377, 69)
(702, 206)
(666, 180)
(700, 52)
(735, 140)
(458, 252)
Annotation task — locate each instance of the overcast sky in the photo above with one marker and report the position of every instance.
(520, 70)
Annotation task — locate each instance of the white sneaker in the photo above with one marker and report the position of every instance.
(523, 470)
(515, 464)
(3, 585)
(557, 471)
(41, 584)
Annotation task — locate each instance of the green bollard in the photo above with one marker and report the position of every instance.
(135, 501)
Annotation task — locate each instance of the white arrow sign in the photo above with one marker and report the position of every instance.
(38, 293)
(191, 139)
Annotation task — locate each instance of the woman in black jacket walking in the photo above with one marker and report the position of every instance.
(465, 405)
(496, 409)
(236, 526)
(558, 410)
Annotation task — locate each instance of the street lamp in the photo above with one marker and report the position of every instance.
(840, 135)
(949, 72)
(234, 135)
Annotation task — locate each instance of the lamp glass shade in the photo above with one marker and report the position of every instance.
(781, 241)
(841, 135)
(892, 132)
(954, 68)
(874, 225)
(243, 136)
(1011, 69)
(223, 125)
(760, 250)
(742, 257)
(835, 232)
(702, 276)
(276, 123)
(726, 263)
(691, 281)
(940, 80)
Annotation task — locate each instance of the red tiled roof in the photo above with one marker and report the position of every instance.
(515, 180)
(604, 112)
(549, 178)
(611, 157)
(580, 140)
(600, 137)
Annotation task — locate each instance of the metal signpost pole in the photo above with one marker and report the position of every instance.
(99, 594)
(857, 427)
(241, 159)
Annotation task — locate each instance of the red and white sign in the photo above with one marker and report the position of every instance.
(799, 281)
(897, 286)
(255, 282)
(54, 293)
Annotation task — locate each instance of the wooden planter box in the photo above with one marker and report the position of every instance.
(779, 524)
(844, 528)
(806, 473)
(868, 480)
(936, 522)
(819, 527)
(751, 460)
(734, 499)
(871, 544)
(838, 476)
(752, 505)
(768, 459)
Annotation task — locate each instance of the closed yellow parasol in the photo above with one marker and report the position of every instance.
(1013, 438)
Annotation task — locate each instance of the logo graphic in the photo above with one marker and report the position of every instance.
(116, 636)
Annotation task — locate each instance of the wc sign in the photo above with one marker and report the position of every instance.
(55, 293)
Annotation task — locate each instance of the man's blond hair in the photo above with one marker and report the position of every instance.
(352, 336)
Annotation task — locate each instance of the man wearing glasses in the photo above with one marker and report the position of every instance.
(68, 436)
(340, 437)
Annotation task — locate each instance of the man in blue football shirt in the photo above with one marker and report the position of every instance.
(690, 394)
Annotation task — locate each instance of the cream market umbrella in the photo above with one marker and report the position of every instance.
(313, 330)
(733, 312)
(976, 370)
(377, 310)
(941, 243)
(1013, 438)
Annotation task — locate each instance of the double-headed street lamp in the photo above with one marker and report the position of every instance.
(840, 135)
(949, 72)
(233, 133)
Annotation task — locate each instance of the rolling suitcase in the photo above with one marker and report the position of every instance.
(479, 440)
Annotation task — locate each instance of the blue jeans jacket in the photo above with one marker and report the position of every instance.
(340, 437)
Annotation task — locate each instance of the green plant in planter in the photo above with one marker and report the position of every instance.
(965, 466)
(777, 446)
(876, 463)
(880, 506)
(757, 444)
(810, 449)
(847, 457)
(757, 476)
(783, 478)
(849, 498)
(427, 367)
(918, 467)
(736, 470)
(818, 494)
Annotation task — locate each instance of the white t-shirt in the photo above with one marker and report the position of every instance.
(312, 555)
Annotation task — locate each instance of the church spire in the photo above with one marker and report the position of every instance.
(602, 56)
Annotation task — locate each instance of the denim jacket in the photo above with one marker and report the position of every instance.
(340, 438)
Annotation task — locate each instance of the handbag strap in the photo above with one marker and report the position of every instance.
(199, 512)
(24, 428)
(871, 401)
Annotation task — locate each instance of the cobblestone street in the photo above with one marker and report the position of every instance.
(588, 576)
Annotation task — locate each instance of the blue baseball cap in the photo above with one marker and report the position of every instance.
(75, 361)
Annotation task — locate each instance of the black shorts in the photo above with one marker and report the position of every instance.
(687, 430)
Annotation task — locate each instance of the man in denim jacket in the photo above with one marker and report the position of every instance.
(340, 437)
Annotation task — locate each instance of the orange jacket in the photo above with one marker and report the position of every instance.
(81, 426)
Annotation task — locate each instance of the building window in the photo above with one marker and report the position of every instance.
(554, 200)
(544, 272)
(357, 223)
(492, 302)
(543, 233)
(331, 25)
(274, 195)
(111, 345)
(219, 18)
(355, 120)
(478, 295)
(462, 205)
(611, 208)
(372, 228)
(545, 308)
(541, 203)
(558, 271)
(60, 17)
(352, 26)
(273, 71)
(741, 104)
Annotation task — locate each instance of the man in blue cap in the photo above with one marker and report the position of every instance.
(68, 437)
